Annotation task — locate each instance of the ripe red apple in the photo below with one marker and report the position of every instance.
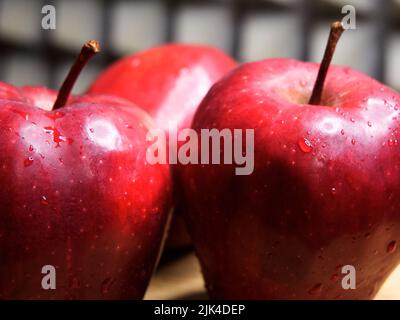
(325, 191)
(169, 82)
(77, 194)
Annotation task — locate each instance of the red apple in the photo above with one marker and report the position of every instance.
(77, 194)
(325, 191)
(169, 82)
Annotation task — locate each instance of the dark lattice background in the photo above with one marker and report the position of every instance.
(247, 29)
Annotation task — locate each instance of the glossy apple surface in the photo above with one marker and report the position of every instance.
(325, 191)
(169, 82)
(77, 193)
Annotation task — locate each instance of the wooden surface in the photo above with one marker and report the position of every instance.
(181, 279)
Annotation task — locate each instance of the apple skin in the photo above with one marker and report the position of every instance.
(168, 82)
(325, 191)
(78, 194)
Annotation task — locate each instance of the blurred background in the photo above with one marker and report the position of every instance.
(247, 29)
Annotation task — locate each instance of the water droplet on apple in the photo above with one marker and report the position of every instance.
(106, 285)
(391, 142)
(335, 277)
(57, 136)
(353, 141)
(302, 83)
(342, 132)
(305, 145)
(31, 148)
(28, 162)
(74, 283)
(391, 247)
(44, 201)
(333, 190)
(55, 115)
(352, 120)
(369, 124)
(24, 115)
(316, 290)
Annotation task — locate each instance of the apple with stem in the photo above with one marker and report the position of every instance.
(325, 191)
(169, 82)
(77, 194)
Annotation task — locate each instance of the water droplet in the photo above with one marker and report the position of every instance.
(352, 120)
(353, 141)
(57, 136)
(391, 247)
(335, 277)
(303, 83)
(24, 115)
(28, 162)
(315, 290)
(369, 124)
(106, 285)
(342, 132)
(333, 190)
(305, 145)
(74, 283)
(31, 148)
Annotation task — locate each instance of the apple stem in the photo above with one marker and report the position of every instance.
(334, 35)
(89, 49)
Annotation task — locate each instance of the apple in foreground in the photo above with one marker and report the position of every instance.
(77, 194)
(169, 82)
(325, 191)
